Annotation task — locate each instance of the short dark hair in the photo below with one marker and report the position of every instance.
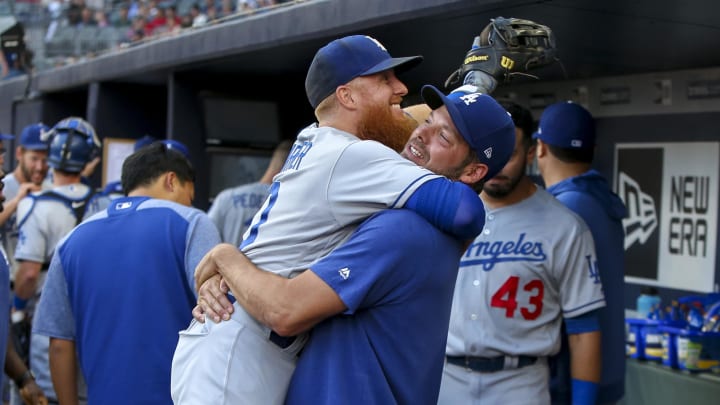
(572, 155)
(523, 119)
(143, 167)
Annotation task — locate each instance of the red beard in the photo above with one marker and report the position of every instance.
(381, 125)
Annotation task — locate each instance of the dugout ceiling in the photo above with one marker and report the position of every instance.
(595, 38)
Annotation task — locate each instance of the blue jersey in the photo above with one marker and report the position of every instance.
(121, 286)
(396, 275)
(589, 196)
(4, 306)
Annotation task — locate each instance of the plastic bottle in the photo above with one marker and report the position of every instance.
(647, 301)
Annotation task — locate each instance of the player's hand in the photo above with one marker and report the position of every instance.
(212, 301)
(31, 394)
(27, 188)
(209, 265)
(90, 166)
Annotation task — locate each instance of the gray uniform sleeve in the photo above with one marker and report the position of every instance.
(54, 317)
(201, 237)
(31, 239)
(580, 287)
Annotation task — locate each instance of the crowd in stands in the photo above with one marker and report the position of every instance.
(77, 29)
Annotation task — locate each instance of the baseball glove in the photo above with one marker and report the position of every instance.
(506, 47)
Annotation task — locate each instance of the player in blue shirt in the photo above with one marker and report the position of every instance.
(139, 253)
(566, 143)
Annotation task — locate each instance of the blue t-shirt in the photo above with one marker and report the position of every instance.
(120, 286)
(396, 275)
(4, 307)
(589, 196)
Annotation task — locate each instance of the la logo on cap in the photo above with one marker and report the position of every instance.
(470, 98)
(376, 43)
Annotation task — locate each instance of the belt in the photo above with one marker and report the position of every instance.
(491, 364)
(282, 342)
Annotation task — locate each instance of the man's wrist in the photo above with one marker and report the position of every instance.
(584, 392)
(24, 378)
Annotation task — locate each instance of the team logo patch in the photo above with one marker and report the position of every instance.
(576, 143)
(488, 152)
(123, 205)
(344, 273)
(470, 98)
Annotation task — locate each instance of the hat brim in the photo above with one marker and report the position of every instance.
(399, 64)
(36, 146)
(6, 137)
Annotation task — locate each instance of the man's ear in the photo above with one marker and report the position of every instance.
(473, 173)
(541, 149)
(345, 97)
(169, 180)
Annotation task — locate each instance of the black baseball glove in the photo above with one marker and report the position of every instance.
(506, 47)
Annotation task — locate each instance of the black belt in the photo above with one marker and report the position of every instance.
(282, 342)
(490, 364)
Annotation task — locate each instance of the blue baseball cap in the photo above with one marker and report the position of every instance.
(175, 145)
(344, 59)
(486, 126)
(33, 138)
(144, 141)
(566, 125)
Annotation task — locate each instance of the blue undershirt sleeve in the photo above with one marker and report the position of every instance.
(585, 323)
(452, 207)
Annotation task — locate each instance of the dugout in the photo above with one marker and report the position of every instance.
(645, 69)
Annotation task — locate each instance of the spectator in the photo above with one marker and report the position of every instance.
(86, 18)
(101, 19)
(226, 8)
(198, 17)
(122, 18)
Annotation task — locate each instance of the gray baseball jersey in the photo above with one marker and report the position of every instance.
(233, 209)
(330, 180)
(533, 264)
(9, 230)
(42, 224)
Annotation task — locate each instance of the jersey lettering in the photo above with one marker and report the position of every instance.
(490, 253)
(297, 153)
(248, 200)
(506, 298)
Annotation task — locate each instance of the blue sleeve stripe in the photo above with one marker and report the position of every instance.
(263, 217)
(585, 323)
(400, 196)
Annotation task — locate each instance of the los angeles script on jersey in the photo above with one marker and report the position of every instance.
(490, 253)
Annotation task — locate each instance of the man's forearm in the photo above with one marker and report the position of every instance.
(585, 356)
(26, 279)
(63, 370)
(288, 306)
